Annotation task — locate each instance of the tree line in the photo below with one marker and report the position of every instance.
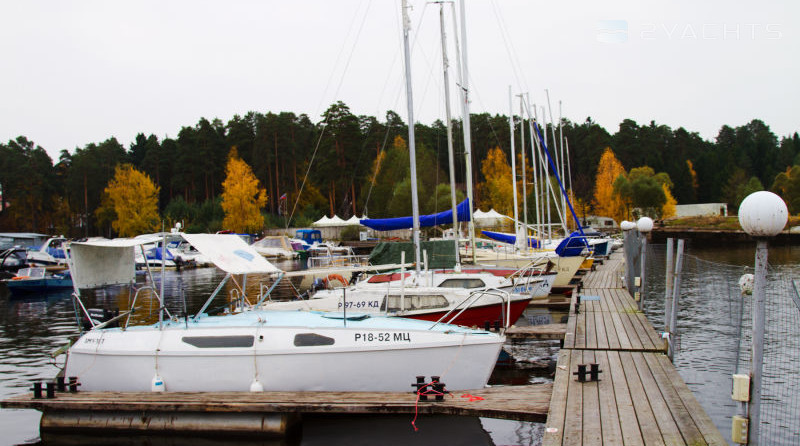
(349, 164)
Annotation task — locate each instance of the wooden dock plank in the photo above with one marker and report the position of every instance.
(631, 434)
(600, 330)
(556, 416)
(573, 425)
(546, 331)
(609, 415)
(592, 430)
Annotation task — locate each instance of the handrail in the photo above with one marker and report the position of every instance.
(133, 304)
(504, 296)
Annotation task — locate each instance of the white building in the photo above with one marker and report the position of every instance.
(701, 210)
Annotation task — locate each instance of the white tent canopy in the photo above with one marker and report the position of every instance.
(354, 221)
(488, 219)
(329, 222)
(324, 221)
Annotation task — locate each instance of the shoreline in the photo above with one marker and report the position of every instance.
(702, 236)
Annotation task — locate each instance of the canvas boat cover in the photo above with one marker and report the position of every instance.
(510, 238)
(442, 218)
(573, 245)
(230, 253)
(103, 262)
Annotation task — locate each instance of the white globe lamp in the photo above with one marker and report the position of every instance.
(763, 214)
(627, 225)
(645, 224)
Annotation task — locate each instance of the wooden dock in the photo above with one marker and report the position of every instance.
(640, 398)
(266, 413)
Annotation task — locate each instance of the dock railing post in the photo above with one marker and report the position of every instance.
(630, 256)
(644, 225)
(668, 284)
(762, 215)
(676, 292)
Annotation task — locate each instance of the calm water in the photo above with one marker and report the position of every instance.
(32, 328)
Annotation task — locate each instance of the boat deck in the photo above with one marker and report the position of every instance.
(639, 398)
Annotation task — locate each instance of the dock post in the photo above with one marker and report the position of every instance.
(644, 225)
(762, 215)
(668, 285)
(676, 292)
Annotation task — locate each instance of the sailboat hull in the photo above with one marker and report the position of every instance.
(355, 357)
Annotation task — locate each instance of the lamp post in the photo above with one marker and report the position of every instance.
(644, 225)
(626, 227)
(762, 215)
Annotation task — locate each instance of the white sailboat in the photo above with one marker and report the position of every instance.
(262, 350)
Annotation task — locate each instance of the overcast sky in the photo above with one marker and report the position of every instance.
(76, 72)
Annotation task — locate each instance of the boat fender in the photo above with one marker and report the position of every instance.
(336, 277)
(256, 386)
(157, 385)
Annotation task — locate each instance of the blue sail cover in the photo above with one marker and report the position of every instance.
(573, 245)
(442, 218)
(511, 238)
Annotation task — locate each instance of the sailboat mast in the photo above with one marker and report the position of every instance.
(445, 65)
(524, 168)
(411, 144)
(513, 166)
(563, 162)
(534, 163)
(467, 135)
(549, 184)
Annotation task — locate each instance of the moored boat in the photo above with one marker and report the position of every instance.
(263, 350)
(38, 280)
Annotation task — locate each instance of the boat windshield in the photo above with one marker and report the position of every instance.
(34, 273)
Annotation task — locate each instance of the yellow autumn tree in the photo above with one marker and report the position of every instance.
(134, 200)
(496, 190)
(606, 203)
(693, 174)
(242, 198)
(669, 209)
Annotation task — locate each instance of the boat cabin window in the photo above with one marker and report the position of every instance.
(462, 283)
(417, 302)
(312, 340)
(219, 341)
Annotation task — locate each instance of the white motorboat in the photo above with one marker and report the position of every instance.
(263, 350)
(51, 253)
(275, 247)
